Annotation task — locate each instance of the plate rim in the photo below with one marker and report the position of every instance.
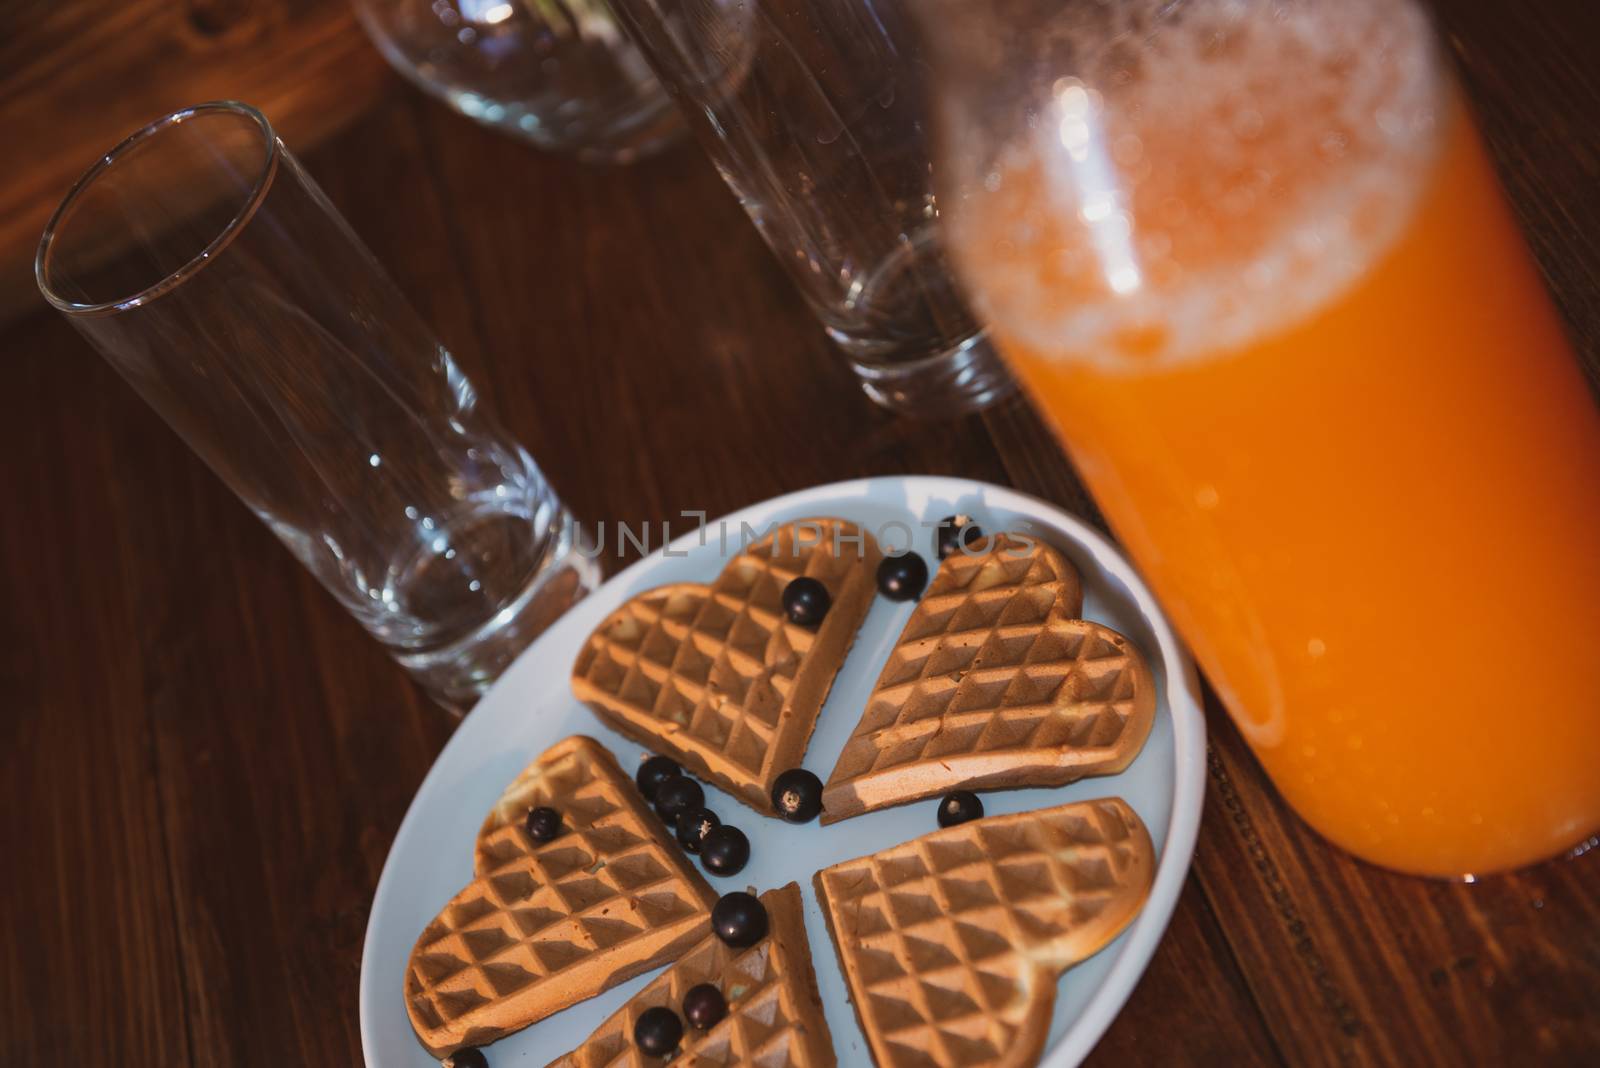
(1184, 705)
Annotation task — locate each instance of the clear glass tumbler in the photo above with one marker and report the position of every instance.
(211, 272)
(559, 73)
(814, 115)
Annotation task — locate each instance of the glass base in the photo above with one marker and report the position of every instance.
(457, 674)
(968, 377)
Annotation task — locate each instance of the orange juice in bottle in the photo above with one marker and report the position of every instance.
(1253, 262)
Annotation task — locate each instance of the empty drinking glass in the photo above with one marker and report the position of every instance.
(211, 272)
(814, 115)
(559, 73)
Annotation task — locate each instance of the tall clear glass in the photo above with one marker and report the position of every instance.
(1251, 257)
(814, 115)
(211, 272)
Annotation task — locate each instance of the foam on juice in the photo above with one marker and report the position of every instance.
(1212, 174)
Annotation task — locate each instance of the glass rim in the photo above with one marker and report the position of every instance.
(167, 283)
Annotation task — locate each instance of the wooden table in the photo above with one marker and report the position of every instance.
(204, 759)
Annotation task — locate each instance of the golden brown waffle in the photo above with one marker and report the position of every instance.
(995, 683)
(546, 925)
(716, 677)
(774, 1012)
(952, 943)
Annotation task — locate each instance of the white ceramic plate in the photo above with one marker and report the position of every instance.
(531, 707)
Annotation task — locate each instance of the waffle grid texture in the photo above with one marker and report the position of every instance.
(774, 1011)
(716, 677)
(995, 682)
(951, 943)
(545, 925)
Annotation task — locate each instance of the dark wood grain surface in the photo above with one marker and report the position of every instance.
(203, 760)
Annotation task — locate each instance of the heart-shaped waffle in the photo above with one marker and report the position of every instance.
(774, 1011)
(952, 943)
(717, 677)
(545, 925)
(994, 682)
